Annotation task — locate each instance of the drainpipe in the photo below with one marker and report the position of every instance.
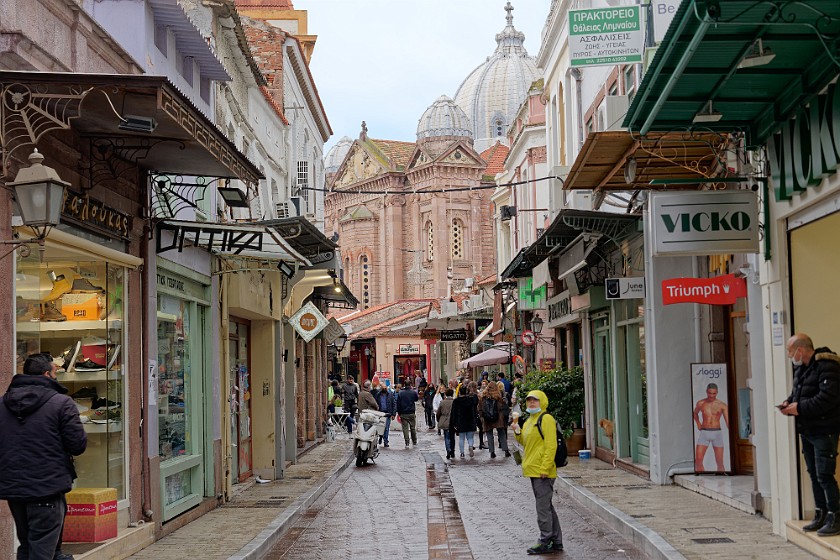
(578, 76)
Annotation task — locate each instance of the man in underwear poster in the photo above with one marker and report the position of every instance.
(711, 418)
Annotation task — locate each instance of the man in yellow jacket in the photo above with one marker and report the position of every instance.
(538, 465)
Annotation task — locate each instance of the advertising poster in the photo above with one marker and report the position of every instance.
(711, 417)
(606, 36)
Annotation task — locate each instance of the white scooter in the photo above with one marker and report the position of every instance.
(366, 434)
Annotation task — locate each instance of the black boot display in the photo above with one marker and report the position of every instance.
(831, 526)
(817, 523)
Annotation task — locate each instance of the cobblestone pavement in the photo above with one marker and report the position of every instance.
(413, 505)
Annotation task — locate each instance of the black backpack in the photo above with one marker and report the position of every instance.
(490, 410)
(561, 456)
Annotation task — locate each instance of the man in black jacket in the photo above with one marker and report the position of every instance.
(40, 432)
(815, 402)
(408, 413)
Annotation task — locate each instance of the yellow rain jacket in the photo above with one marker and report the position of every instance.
(539, 452)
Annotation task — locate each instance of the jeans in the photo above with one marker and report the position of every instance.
(409, 423)
(470, 440)
(387, 430)
(448, 442)
(820, 453)
(503, 446)
(38, 524)
(547, 519)
(430, 418)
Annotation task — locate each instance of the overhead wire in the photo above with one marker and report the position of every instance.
(430, 191)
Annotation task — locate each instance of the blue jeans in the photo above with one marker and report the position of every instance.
(387, 430)
(469, 436)
(448, 443)
(820, 453)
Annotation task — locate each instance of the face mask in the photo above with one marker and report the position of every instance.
(796, 362)
(533, 410)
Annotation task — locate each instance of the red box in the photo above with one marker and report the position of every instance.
(91, 515)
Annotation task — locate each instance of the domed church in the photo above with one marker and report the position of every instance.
(410, 219)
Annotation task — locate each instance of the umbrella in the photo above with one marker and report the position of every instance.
(499, 354)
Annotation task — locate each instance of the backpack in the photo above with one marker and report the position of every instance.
(490, 410)
(561, 456)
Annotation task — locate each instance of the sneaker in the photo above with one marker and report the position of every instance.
(472, 451)
(413, 443)
(115, 354)
(88, 366)
(507, 453)
(386, 445)
(540, 548)
(492, 455)
(462, 456)
(85, 393)
(51, 313)
(63, 556)
(556, 547)
(61, 286)
(83, 286)
(407, 446)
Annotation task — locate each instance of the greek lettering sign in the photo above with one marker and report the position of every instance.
(606, 36)
(807, 148)
(93, 214)
(704, 223)
(560, 310)
(308, 321)
(720, 290)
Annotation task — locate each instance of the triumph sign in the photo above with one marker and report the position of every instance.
(703, 223)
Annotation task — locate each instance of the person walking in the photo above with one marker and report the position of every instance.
(387, 404)
(538, 465)
(407, 409)
(444, 422)
(40, 433)
(428, 406)
(349, 396)
(815, 404)
(439, 394)
(493, 411)
(464, 414)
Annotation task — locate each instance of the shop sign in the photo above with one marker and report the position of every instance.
(180, 286)
(606, 36)
(408, 349)
(807, 148)
(430, 334)
(308, 321)
(704, 223)
(625, 288)
(453, 335)
(385, 378)
(529, 297)
(547, 364)
(663, 14)
(332, 331)
(94, 214)
(720, 290)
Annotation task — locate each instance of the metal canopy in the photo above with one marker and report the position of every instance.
(698, 61)
(678, 155)
(305, 238)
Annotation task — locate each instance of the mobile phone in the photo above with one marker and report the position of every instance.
(780, 406)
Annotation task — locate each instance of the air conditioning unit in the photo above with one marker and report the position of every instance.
(612, 111)
(468, 282)
(507, 212)
(283, 210)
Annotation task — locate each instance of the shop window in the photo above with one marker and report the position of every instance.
(364, 266)
(303, 184)
(629, 83)
(457, 240)
(73, 310)
(430, 242)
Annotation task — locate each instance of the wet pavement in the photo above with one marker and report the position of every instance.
(414, 505)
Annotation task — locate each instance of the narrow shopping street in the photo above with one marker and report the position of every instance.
(414, 505)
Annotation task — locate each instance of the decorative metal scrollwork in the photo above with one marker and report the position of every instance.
(172, 194)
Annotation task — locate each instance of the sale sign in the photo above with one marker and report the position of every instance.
(720, 290)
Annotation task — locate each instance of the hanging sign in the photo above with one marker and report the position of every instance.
(453, 335)
(308, 321)
(606, 36)
(663, 14)
(625, 288)
(333, 330)
(703, 223)
(720, 290)
(430, 334)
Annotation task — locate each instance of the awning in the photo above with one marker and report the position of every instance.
(603, 160)
(306, 239)
(344, 297)
(500, 353)
(483, 334)
(519, 266)
(711, 53)
(183, 140)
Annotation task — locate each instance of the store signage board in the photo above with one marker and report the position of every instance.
(625, 288)
(703, 223)
(711, 417)
(606, 36)
(560, 310)
(308, 321)
(720, 290)
(408, 349)
(453, 335)
(94, 214)
(332, 331)
(430, 334)
(663, 15)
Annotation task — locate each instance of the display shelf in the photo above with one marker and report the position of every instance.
(79, 376)
(67, 326)
(109, 428)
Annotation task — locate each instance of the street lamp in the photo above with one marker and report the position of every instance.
(39, 194)
(537, 324)
(340, 342)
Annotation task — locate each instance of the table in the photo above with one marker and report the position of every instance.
(339, 420)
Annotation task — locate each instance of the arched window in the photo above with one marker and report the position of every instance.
(457, 239)
(430, 242)
(364, 266)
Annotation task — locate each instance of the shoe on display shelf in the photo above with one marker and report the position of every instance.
(115, 354)
(83, 286)
(51, 313)
(65, 361)
(85, 393)
(61, 285)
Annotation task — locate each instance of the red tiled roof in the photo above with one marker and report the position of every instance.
(495, 157)
(366, 314)
(398, 152)
(273, 102)
(489, 281)
(384, 328)
(285, 4)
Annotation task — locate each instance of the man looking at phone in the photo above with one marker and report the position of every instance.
(815, 402)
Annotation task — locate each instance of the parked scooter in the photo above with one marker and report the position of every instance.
(366, 434)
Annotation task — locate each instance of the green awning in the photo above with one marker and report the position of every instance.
(698, 62)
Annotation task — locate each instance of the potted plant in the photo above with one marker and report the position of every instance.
(566, 400)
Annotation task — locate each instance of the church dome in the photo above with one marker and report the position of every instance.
(443, 118)
(336, 155)
(493, 92)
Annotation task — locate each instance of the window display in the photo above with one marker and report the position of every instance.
(73, 310)
(174, 368)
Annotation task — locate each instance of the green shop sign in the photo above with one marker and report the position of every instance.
(807, 148)
(529, 298)
(606, 36)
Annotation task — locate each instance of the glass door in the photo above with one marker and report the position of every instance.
(240, 398)
(604, 400)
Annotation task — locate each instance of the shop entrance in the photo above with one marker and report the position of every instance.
(604, 397)
(632, 379)
(240, 397)
(740, 394)
(407, 367)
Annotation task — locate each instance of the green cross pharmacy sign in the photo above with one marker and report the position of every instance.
(606, 36)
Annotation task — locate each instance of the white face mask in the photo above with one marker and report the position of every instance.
(796, 362)
(533, 410)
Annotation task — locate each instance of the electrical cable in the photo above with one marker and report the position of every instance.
(430, 191)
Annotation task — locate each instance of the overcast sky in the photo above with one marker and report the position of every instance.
(386, 61)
